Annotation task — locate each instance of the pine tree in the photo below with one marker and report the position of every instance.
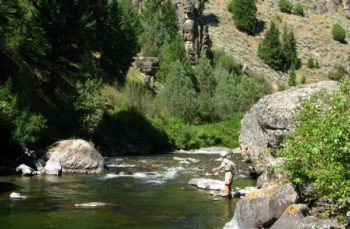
(270, 49)
(206, 85)
(289, 48)
(179, 95)
(244, 15)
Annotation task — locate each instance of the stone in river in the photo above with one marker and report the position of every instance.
(17, 196)
(210, 184)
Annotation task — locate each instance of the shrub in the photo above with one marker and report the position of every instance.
(318, 150)
(292, 81)
(337, 73)
(312, 63)
(222, 60)
(299, 9)
(303, 80)
(285, 6)
(339, 33)
(24, 127)
(244, 15)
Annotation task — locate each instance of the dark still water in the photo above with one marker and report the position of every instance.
(142, 192)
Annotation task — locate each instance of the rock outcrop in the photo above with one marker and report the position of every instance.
(147, 65)
(76, 156)
(261, 208)
(192, 29)
(53, 168)
(268, 121)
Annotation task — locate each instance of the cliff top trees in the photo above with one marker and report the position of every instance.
(244, 15)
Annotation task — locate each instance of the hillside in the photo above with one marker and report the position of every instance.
(313, 33)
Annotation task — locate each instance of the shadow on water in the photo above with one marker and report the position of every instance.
(6, 187)
(210, 19)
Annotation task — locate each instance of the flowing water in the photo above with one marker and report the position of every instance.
(141, 192)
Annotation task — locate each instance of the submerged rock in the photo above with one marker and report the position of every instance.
(210, 184)
(26, 170)
(76, 156)
(91, 205)
(17, 196)
(263, 207)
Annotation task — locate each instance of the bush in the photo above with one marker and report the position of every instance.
(338, 73)
(24, 127)
(339, 33)
(285, 6)
(292, 81)
(303, 80)
(312, 63)
(299, 9)
(222, 60)
(318, 150)
(184, 136)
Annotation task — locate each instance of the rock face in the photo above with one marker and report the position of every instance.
(208, 184)
(268, 121)
(26, 170)
(194, 33)
(76, 156)
(147, 65)
(263, 207)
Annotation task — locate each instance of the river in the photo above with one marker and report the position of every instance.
(142, 192)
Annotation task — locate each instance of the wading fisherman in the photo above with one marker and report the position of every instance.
(229, 168)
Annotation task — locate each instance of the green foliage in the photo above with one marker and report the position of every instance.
(299, 9)
(24, 127)
(271, 50)
(179, 96)
(338, 73)
(292, 79)
(251, 89)
(318, 150)
(339, 33)
(244, 15)
(312, 63)
(90, 104)
(290, 48)
(285, 6)
(226, 94)
(184, 136)
(303, 80)
(206, 84)
(160, 26)
(222, 60)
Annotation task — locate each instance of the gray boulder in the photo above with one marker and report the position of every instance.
(274, 173)
(76, 156)
(53, 168)
(147, 65)
(263, 207)
(268, 121)
(17, 196)
(26, 170)
(209, 184)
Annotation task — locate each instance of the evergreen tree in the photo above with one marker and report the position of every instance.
(206, 84)
(289, 48)
(226, 94)
(179, 96)
(271, 50)
(244, 15)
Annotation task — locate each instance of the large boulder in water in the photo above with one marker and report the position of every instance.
(268, 121)
(76, 156)
(26, 170)
(261, 208)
